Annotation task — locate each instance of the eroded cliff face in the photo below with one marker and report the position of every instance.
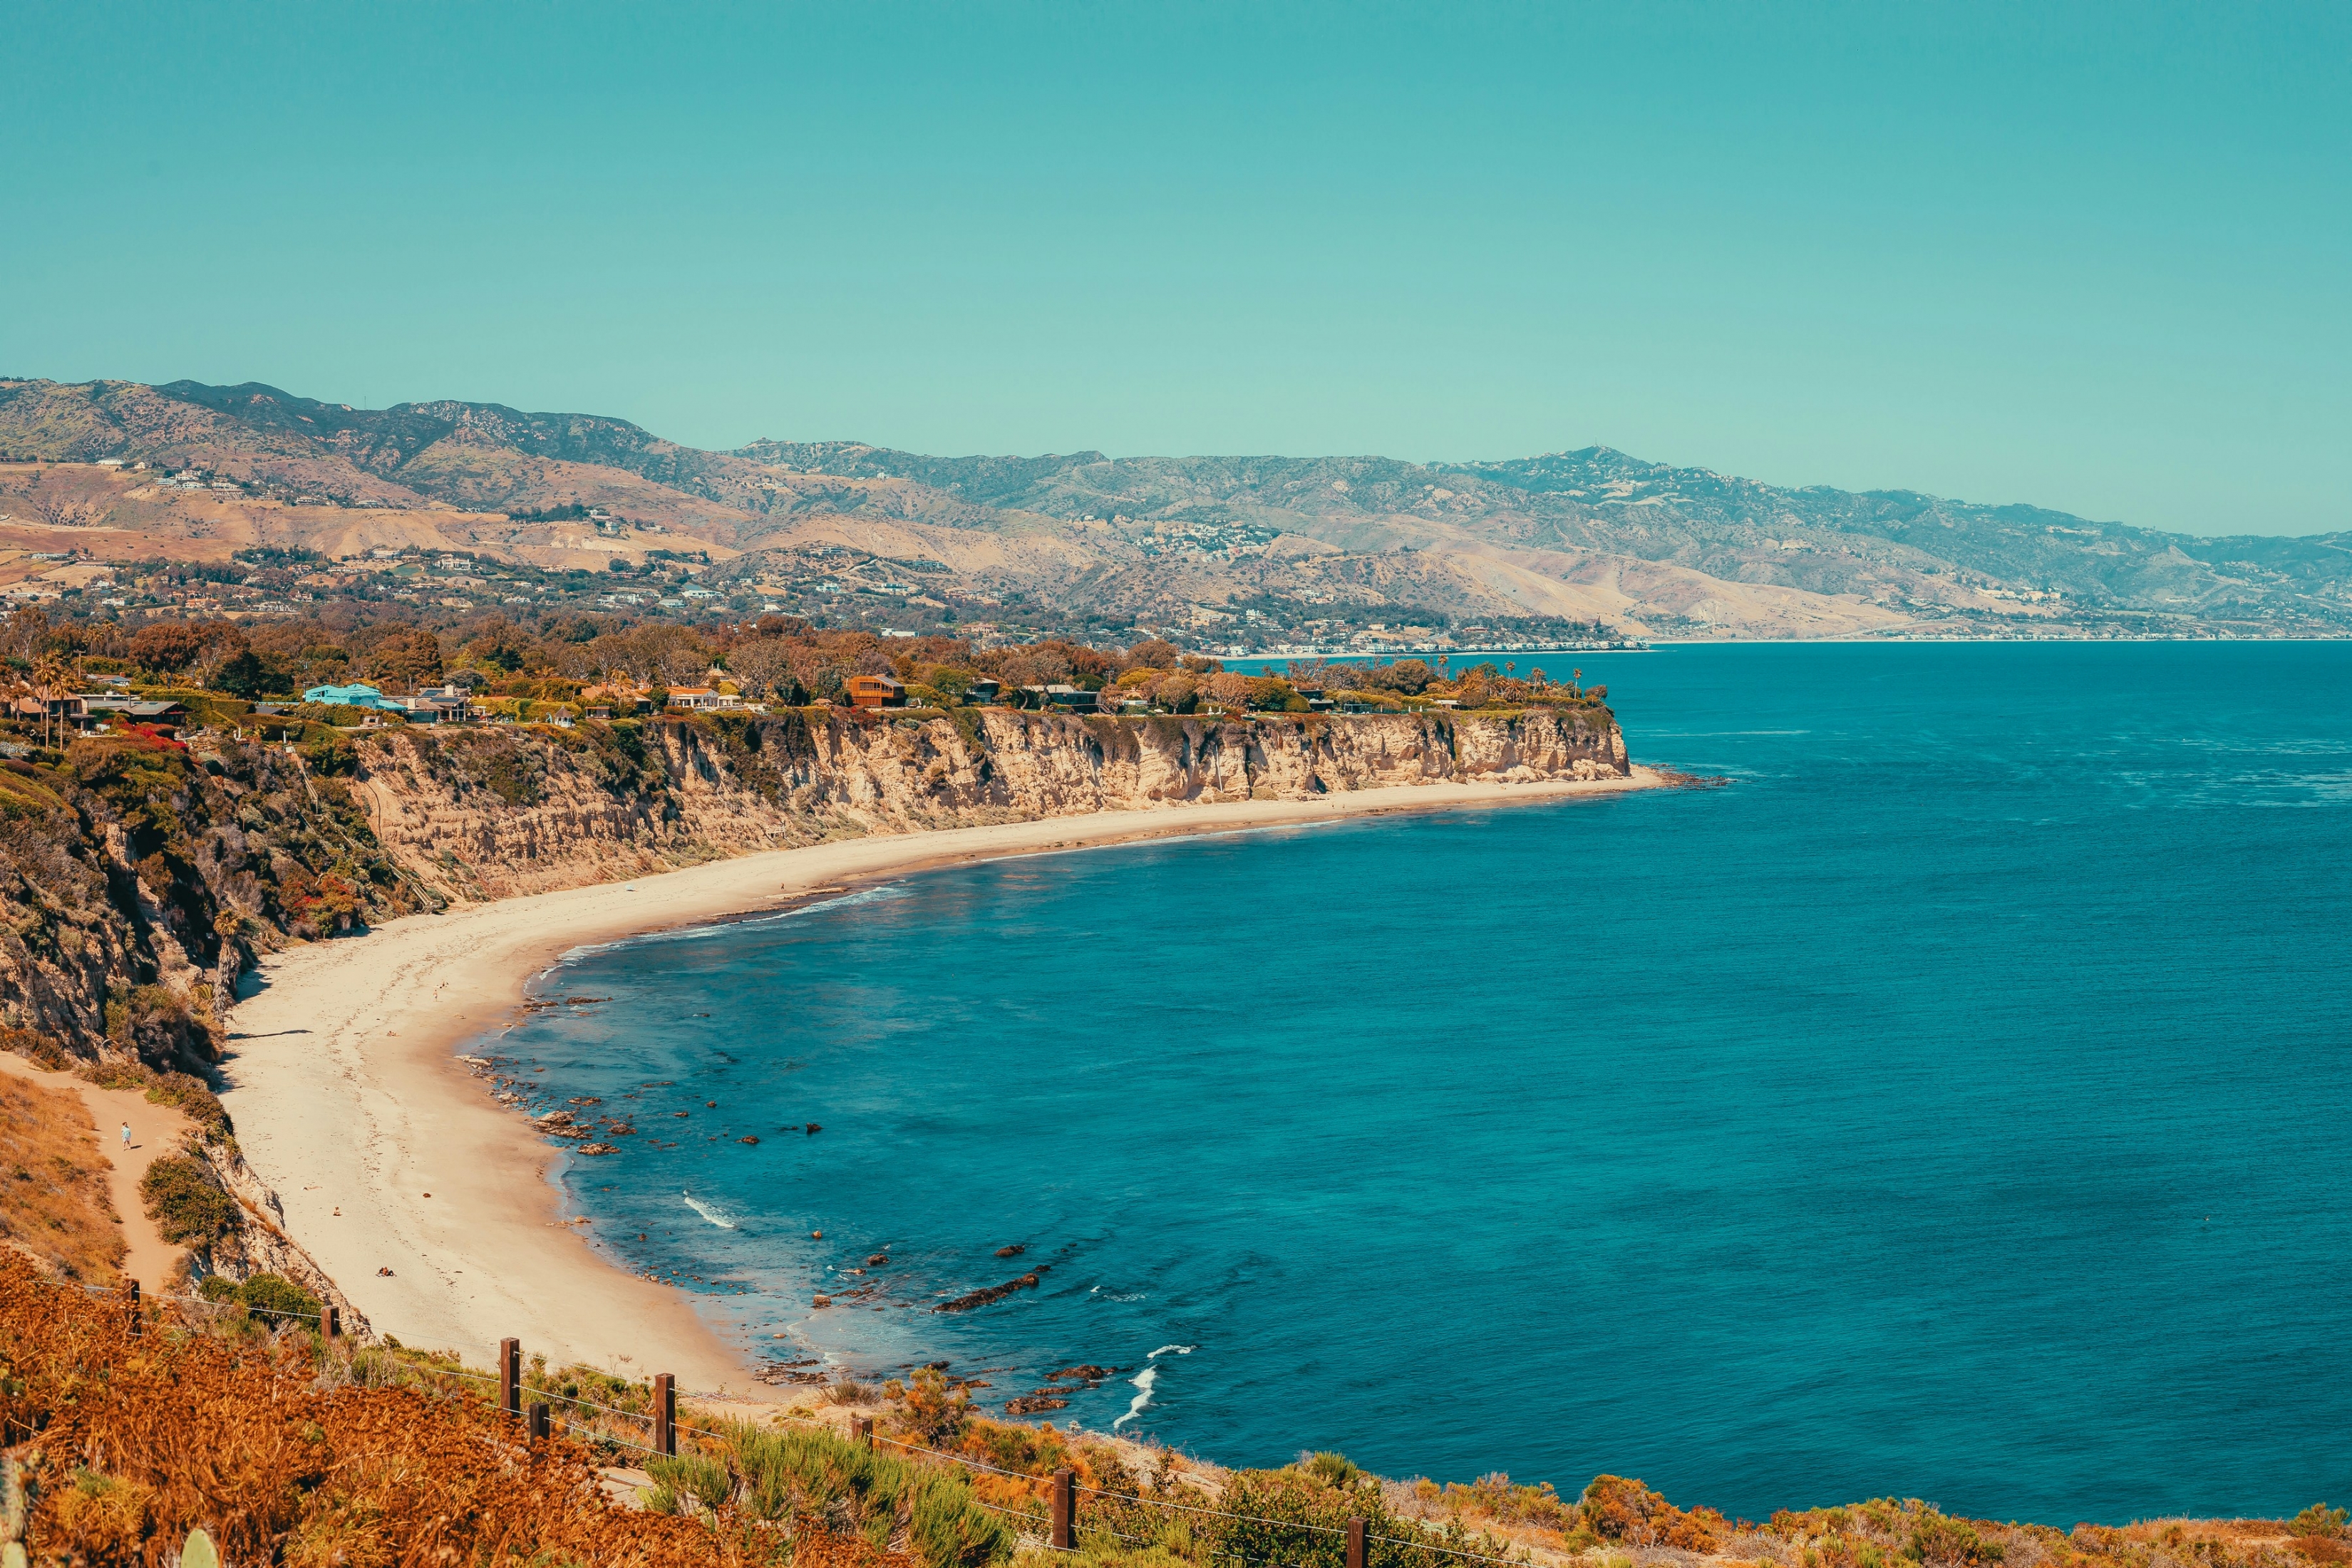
(139, 877)
(489, 813)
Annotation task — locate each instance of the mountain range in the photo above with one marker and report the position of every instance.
(1258, 550)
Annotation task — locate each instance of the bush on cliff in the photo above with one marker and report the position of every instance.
(272, 1296)
(187, 1206)
(1616, 1509)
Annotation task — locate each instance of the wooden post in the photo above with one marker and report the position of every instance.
(1065, 1504)
(539, 1425)
(510, 1376)
(331, 1322)
(130, 1303)
(861, 1432)
(1355, 1543)
(664, 1413)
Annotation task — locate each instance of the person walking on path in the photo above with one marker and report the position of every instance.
(126, 1135)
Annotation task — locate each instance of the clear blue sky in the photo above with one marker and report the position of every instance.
(2097, 258)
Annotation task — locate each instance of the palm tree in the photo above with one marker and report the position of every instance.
(51, 682)
(18, 690)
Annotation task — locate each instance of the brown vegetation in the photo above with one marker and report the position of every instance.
(292, 1449)
(267, 1441)
(53, 1177)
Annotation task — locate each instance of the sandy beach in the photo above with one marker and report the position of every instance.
(348, 1099)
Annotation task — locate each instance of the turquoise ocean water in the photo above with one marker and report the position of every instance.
(1957, 1105)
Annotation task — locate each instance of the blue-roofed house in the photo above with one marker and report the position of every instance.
(359, 694)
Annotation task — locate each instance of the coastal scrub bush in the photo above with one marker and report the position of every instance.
(1496, 1498)
(271, 1295)
(1332, 1469)
(1298, 1520)
(948, 1531)
(2318, 1520)
(330, 754)
(187, 1206)
(184, 1092)
(707, 1481)
(794, 1474)
(933, 1415)
(1939, 1539)
(1616, 1509)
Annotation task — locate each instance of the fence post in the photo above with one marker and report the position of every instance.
(1066, 1503)
(539, 1424)
(1355, 1543)
(510, 1376)
(331, 1321)
(861, 1431)
(131, 1304)
(665, 1415)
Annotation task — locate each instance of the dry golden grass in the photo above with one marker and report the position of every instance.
(53, 1184)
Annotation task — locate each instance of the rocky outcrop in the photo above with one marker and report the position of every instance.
(492, 812)
(139, 877)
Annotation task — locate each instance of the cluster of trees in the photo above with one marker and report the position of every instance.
(1480, 685)
(778, 658)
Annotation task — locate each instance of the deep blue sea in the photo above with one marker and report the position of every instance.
(1956, 1104)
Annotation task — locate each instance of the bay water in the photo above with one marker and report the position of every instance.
(1956, 1103)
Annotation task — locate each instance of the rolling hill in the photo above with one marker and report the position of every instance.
(1255, 552)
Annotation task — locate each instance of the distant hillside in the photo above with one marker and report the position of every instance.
(1240, 551)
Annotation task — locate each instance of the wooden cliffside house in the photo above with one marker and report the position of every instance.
(876, 691)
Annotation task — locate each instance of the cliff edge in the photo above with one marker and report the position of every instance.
(485, 813)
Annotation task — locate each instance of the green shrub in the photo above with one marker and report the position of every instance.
(794, 1473)
(1939, 1539)
(2319, 1520)
(185, 1203)
(1332, 1469)
(274, 1296)
(330, 754)
(948, 1531)
(707, 1481)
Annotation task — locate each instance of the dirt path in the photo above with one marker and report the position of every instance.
(154, 1130)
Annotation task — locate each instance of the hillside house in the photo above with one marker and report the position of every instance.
(1072, 698)
(359, 694)
(876, 691)
(703, 698)
(133, 711)
(70, 707)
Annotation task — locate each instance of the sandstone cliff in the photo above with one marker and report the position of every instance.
(138, 878)
(486, 813)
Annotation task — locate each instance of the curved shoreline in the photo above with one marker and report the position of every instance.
(387, 1152)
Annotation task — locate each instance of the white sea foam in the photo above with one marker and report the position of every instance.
(715, 1216)
(721, 927)
(1145, 1381)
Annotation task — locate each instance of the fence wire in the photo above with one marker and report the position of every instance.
(964, 1461)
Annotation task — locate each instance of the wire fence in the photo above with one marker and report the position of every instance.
(1424, 1545)
(1032, 1524)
